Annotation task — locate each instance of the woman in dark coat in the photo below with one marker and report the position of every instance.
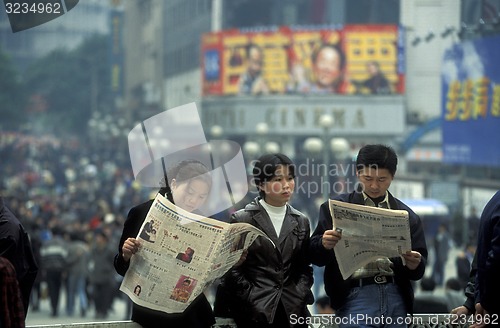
(272, 287)
(190, 185)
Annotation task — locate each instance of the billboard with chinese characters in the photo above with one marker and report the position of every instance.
(350, 59)
(471, 103)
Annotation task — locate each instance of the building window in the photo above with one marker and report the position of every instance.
(145, 8)
(372, 12)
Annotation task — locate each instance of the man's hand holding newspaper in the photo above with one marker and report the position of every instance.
(362, 234)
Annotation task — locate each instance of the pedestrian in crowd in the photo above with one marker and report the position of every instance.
(463, 263)
(488, 263)
(469, 305)
(36, 291)
(453, 291)
(426, 301)
(442, 245)
(473, 223)
(190, 184)
(273, 284)
(101, 277)
(382, 287)
(15, 246)
(54, 254)
(77, 273)
(54, 257)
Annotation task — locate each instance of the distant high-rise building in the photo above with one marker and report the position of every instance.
(89, 17)
(186, 21)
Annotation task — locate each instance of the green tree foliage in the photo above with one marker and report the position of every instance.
(12, 97)
(66, 86)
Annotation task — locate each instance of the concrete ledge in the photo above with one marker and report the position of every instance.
(107, 324)
(418, 321)
(220, 322)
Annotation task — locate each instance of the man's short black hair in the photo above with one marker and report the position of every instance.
(377, 157)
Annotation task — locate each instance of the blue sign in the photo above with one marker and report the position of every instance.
(212, 65)
(471, 103)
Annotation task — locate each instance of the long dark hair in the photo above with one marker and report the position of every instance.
(182, 172)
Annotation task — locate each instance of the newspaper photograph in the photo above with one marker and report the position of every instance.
(181, 254)
(368, 233)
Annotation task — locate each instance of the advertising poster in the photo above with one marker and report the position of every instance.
(350, 59)
(471, 103)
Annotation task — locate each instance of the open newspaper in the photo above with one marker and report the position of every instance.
(368, 233)
(181, 254)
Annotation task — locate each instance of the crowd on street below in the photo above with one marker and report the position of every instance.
(75, 197)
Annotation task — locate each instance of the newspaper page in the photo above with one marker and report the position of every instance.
(367, 234)
(181, 254)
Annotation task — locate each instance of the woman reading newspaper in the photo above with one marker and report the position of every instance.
(272, 287)
(190, 185)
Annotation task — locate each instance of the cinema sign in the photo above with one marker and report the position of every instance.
(301, 115)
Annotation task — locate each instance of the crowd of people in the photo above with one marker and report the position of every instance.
(72, 201)
(83, 210)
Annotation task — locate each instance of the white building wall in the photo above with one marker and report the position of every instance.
(183, 89)
(133, 47)
(143, 35)
(66, 32)
(423, 66)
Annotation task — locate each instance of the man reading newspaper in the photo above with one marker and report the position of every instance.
(379, 293)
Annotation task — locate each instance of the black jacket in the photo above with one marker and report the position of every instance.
(198, 314)
(15, 245)
(335, 286)
(488, 257)
(251, 292)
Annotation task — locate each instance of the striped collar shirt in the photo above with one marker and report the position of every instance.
(382, 265)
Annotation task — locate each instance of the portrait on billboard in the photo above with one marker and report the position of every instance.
(252, 81)
(327, 71)
(351, 59)
(376, 82)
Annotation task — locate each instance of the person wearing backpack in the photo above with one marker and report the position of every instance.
(54, 254)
